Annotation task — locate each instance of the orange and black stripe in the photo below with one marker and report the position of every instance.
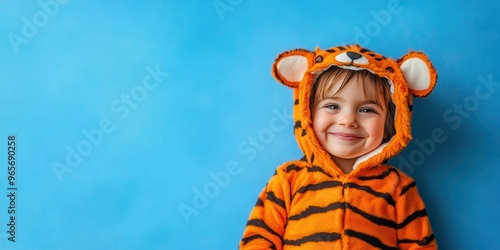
(302, 207)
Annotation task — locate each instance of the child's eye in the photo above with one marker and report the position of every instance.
(368, 110)
(332, 106)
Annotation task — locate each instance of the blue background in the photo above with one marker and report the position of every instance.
(180, 165)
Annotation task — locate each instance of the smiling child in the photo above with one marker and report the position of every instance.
(352, 113)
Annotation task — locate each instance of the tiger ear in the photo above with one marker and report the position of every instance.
(419, 73)
(290, 67)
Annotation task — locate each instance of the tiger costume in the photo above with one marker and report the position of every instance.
(310, 203)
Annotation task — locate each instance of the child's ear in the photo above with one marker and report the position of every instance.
(290, 66)
(419, 73)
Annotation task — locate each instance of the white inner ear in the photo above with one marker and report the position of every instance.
(292, 68)
(416, 73)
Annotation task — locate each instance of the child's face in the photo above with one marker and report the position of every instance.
(348, 125)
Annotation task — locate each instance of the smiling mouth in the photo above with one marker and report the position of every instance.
(346, 136)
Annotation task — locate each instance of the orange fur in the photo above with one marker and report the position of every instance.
(310, 203)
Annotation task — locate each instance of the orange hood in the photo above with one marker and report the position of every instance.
(410, 76)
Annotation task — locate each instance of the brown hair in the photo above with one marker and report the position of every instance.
(374, 87)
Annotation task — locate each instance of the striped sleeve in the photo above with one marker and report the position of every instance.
(266, 223)
(414, 229)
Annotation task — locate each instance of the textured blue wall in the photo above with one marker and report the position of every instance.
(154, 124)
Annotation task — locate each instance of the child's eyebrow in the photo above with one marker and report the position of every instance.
(371, 102)
(334, 98)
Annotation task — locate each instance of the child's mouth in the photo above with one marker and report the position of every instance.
(346, 136)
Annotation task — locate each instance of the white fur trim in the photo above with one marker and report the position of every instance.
(369, 155)
(292, 68)
(416, 73)
(351, 68)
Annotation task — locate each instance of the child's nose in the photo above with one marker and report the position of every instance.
(348, 119)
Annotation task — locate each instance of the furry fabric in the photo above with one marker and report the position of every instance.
(310, 203)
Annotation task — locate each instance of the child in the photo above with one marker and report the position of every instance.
(352, 110)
